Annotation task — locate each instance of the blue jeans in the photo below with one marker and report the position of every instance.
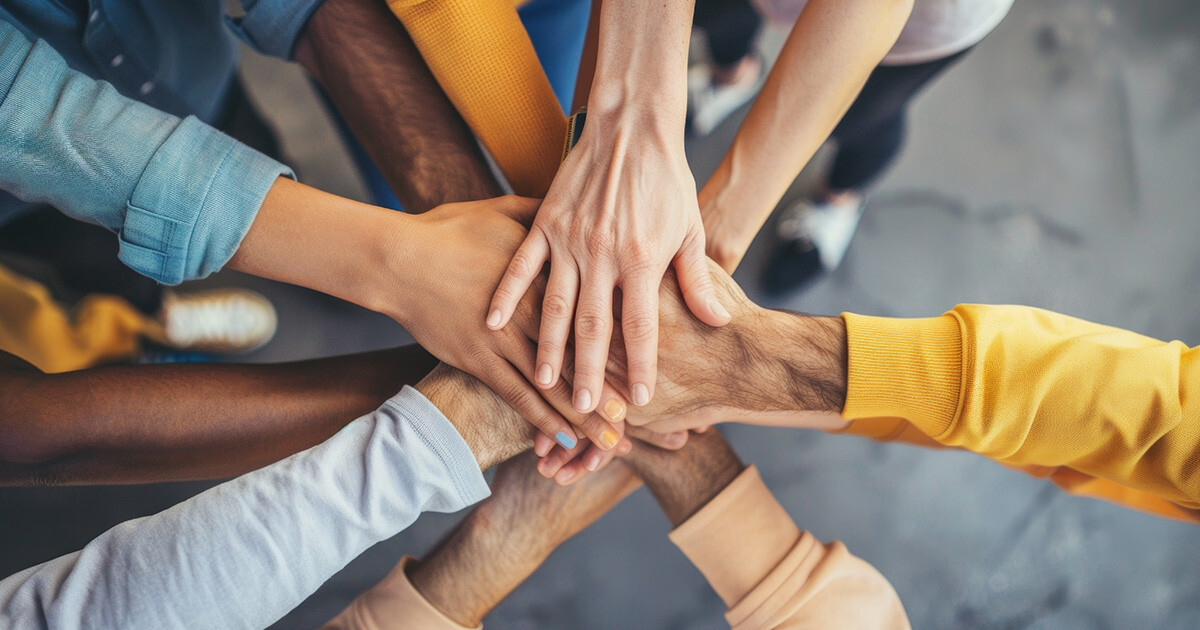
(557, 29)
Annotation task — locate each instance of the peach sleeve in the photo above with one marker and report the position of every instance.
(772, 575)
(393, 603)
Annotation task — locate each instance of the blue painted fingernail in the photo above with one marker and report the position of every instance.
(564, 439)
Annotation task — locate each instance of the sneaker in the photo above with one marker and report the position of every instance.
(813, 238)
(709, 103)
(225, 321)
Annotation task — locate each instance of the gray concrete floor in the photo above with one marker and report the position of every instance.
(1056, 167)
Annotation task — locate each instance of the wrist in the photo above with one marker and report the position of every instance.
(812, 352)
(491, 429)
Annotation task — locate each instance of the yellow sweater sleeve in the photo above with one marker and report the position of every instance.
(485, 62)
(1028, 387)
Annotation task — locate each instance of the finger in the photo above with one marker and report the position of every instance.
(671, 441)
(519, 209)
(639, 327)
(594, 426)
(558, 307)
(594, 459)
(525, 265)
(558, 457)
(691, 266)
(542, 444)
(507, 381)
(593, 329)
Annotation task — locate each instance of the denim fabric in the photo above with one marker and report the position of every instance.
(180, 194)
(243, 554)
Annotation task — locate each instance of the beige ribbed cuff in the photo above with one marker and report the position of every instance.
(907, 368)
(393, 603)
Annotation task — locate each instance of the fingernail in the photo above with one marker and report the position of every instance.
(608, 439)
(592, 463)
(583, 400)
(641, 394)
(564, 476)
(718, 308)
(614, 409)
(493, 319)
(542, 449)
(565, 440)
(545, 374)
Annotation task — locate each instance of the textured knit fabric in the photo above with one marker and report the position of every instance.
(180, 194)
(392, 603)
(1098, 410)
(484, 61)
(246, 552)
(772, 575)
(33, 326)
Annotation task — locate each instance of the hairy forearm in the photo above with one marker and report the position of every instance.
(832, 49)
(139, 424)
(684, 481)
(377, 79)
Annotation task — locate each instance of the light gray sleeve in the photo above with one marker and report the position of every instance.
(244, 553)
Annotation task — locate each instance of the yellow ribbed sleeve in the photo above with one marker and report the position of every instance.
(1028, 388)
(482, 57)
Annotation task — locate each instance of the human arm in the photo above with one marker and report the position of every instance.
(621, 210)
(769, 572)
(491, 552)
(375, 75)
(179, 194)
(832, 49)
(1020, 385)
(154, 423)
(244, 553)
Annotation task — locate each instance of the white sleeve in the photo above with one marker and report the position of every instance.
(243, 554)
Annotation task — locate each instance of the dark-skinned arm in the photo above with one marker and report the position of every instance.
(151, 423)
(365, 59)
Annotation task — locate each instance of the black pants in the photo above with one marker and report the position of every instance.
(730, 27)
(84, 256)
(872, 132)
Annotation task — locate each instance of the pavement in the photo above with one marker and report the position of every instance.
(1056, 166)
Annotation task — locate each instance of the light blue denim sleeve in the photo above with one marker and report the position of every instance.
(179, 194)
(273, 26)
(244, 553)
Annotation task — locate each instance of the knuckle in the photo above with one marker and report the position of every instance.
(639, 327)
(556, 305)
(590, 325)
(599, 243)
(522, 265)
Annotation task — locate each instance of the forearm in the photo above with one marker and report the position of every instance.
(640, 75)
(829, 54)
(229, 557)
(684, 481)
(375, 75)
(327, 243)
(153, 423)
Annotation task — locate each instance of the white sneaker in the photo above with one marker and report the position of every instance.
(226, 321)
(709, 104)
(829, 226)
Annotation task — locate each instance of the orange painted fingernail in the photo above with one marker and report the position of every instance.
(614, 409)
(608, 439)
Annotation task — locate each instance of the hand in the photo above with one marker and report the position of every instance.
(728, 234)
(452, 258)
(765, 367)
(617, 216)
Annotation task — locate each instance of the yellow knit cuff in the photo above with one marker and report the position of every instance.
(907, 368)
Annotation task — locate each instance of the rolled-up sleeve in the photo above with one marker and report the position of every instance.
(179, 194)
(273, 26)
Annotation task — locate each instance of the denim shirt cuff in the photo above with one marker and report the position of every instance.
(273, 26)
(194, 203)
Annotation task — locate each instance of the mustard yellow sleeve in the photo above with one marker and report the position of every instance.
(482, 57)
(1028, 387)
(772, 575)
